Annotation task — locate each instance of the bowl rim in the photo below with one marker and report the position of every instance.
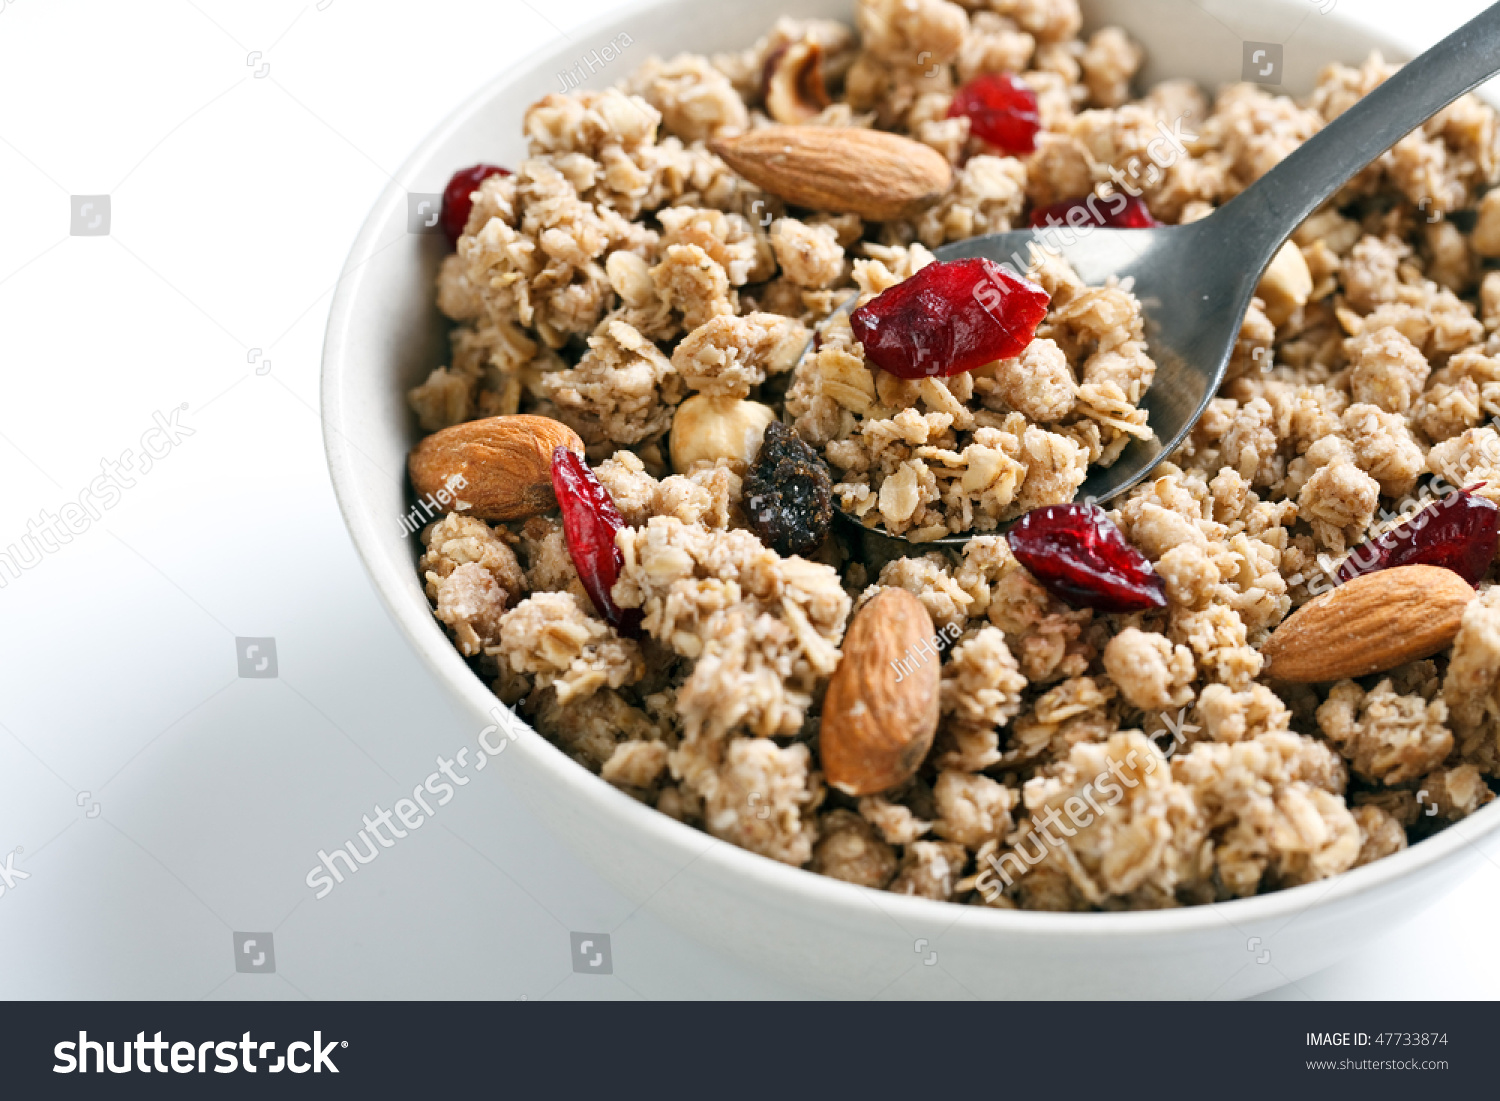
(817, 896)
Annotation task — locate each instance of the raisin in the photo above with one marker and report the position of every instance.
(1001, 110)
(950, 317)
(1080, 557)
(458, 198)
(1116, 212)
(590, 521)
(1459, 533)
(788, 493)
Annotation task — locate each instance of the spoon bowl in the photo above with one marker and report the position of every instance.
(1192, 314)
(1192, 320)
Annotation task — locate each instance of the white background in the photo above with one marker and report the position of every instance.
(234, 199)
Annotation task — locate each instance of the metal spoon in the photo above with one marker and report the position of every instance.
(1195, 281)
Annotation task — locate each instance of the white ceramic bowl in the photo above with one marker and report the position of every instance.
(384, 335)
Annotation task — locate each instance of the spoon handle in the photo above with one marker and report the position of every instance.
(1270, 209)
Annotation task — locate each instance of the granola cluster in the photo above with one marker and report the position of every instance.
(1083, 761)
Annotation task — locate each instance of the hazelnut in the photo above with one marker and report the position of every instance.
(708, 427)
(791, 83)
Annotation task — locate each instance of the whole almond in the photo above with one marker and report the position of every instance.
(839, 170)
(881, 709)
(1373, 623)
(497, 468)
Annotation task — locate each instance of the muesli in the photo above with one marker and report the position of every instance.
(655, 407)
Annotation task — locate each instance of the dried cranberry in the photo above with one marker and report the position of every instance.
(1459, 533)
(1078, 556)
(950, 317)
(590, 521)
(1001, 110)
(1117, 211)
(458, 197)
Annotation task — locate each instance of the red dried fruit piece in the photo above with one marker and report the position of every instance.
(458, 197)
(1117, 211)
(1001, 110)
(1458, 533)
(950, 317)
(590, 521)
(1080, 557)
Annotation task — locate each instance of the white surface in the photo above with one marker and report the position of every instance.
(234, 199)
